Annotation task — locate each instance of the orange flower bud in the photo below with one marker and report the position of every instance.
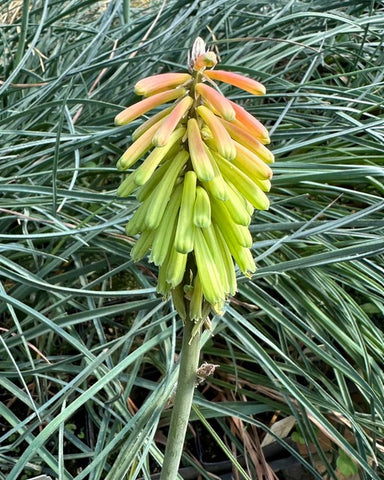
(151, 121)
(164, 81)
(237, 80)
(139, 147)
(170, 123)
(146, 169)
(250, 123)
(200, 160)
(138, 109)
(221, 137)
(248, 141)
(207, 59)
(215, 99)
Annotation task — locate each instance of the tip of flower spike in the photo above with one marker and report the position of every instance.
(206, 60)
(200, 58)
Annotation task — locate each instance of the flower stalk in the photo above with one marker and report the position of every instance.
(189, 359)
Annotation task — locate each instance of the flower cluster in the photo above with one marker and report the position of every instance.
(205, 169)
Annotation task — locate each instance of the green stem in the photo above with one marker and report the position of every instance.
(127, 11)
(190, 352)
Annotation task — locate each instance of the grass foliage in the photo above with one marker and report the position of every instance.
(87, 347)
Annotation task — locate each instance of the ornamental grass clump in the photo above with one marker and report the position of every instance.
(205, 170)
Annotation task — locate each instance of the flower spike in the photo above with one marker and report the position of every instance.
(204, 170)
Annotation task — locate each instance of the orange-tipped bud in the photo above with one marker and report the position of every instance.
(215, 99)
(200, 160)
(205, 60)
(237, 80)
(248, 141)
(251, 164)
(151, 121)
(221, 137)
(158, 83)
(138, 109)
(146, 169)
(162, 135)
(139, 147)
(250, 123)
